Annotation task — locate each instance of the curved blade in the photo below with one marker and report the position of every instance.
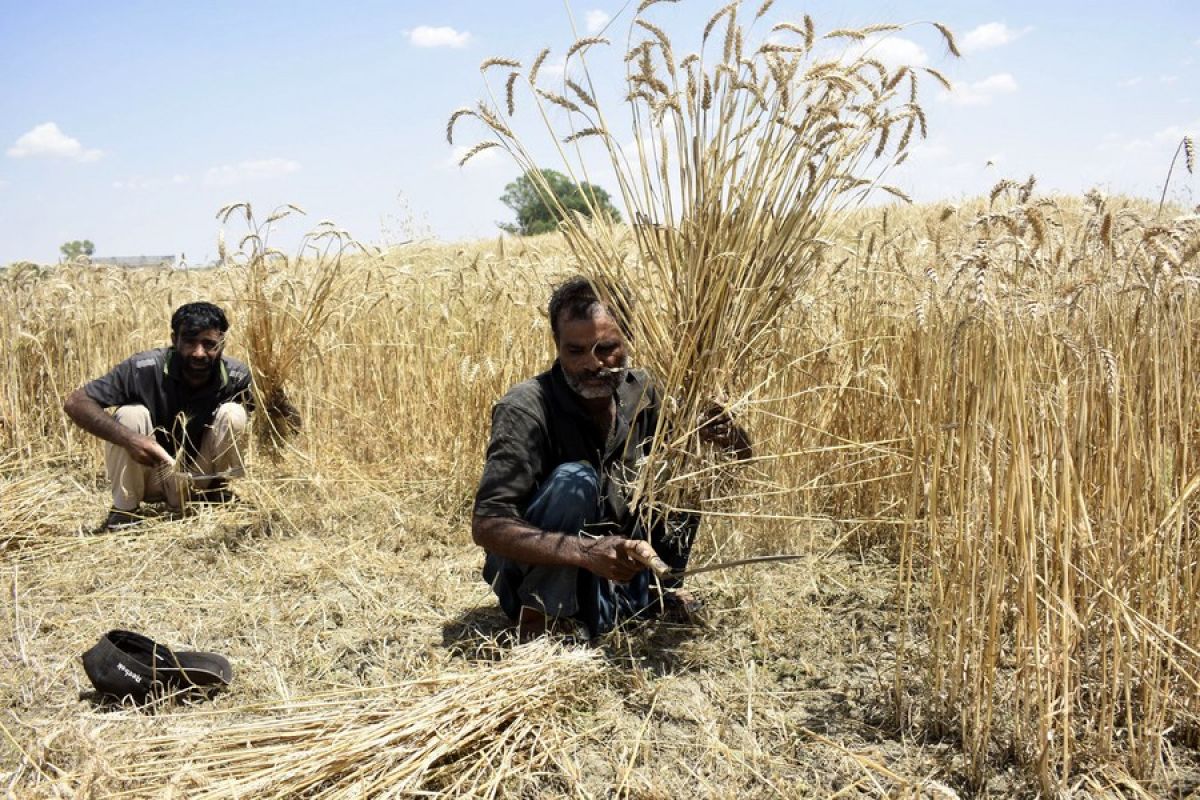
(741, 562)
(661, 569)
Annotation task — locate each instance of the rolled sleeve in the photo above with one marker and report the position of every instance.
(516, 459)
(117, 388)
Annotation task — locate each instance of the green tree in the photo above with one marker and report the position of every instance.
(77, 248)
(537, 214)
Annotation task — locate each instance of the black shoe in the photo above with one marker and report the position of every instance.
(119, 520)
(218, 493)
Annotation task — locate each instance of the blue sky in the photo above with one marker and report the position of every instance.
(131, 123)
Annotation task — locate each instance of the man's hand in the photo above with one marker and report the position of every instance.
(718, 429)
(613, 557)
(148, 452)
(87, 414)
(617, 558)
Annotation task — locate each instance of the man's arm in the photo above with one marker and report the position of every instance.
(89, 415)
(612, 557)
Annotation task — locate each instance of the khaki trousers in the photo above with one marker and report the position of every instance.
(220, 451)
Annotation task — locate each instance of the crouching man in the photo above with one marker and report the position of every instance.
(562, 546)
(179, 417)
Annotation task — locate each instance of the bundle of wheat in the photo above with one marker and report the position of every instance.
(289, 302)
(478, 734)
(741, 158)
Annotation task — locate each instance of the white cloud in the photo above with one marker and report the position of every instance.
(137, 183)
(1159, 140)
(596, 20)
(46, 140)
(553, 69)
(989, 35)
(929, 151)
(891, 51)
(1002, 82)
(980, 93)
(426, 36)
(1173, 133)
(1168, 79)
(1131, 146)
(230, 174)
(489, 156)
(1129, 82)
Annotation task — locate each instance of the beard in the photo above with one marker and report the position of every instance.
(599, 384)
(199, 368)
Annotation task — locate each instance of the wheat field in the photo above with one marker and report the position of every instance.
(978, 429)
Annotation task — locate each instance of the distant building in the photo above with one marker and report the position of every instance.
(133, 261)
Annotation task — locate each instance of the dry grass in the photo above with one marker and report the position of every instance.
(478, 732)
(990, 461)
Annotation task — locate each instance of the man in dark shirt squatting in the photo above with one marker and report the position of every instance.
(563, 445)
(179, 419)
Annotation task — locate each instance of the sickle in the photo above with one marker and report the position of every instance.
(167, 470)
(662, 570)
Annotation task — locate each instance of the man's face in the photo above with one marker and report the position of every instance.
(592, 354)
(200, 351)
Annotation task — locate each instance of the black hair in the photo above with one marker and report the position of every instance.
(577, 299)
(196, 317)
(574, 297)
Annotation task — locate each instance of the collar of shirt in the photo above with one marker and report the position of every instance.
(633, 396)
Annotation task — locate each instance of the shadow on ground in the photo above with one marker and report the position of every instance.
(485, 633)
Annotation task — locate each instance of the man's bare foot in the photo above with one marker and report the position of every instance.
(679, 606)
(534, 624)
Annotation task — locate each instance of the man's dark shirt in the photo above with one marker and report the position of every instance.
(154, 379)
(540, 424)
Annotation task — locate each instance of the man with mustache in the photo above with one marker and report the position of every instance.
(562, 545)
(179, 411)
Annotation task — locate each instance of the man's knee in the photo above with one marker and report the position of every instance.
(575, 481)
(568, 498)
(136, 418)
(231, 417)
